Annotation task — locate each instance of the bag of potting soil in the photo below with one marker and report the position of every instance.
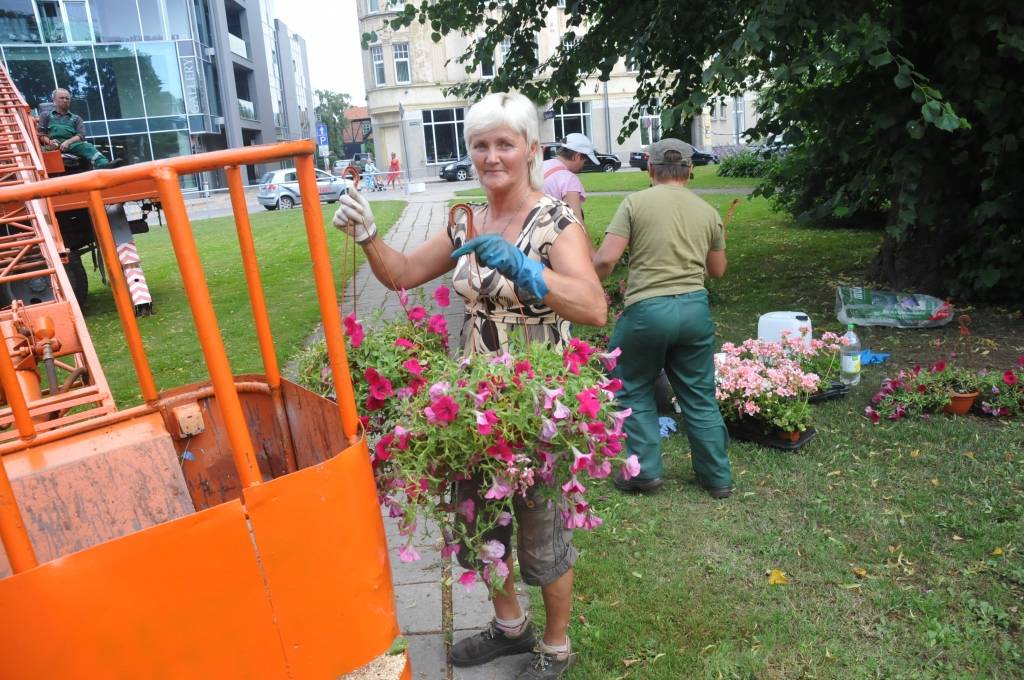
(865, 307)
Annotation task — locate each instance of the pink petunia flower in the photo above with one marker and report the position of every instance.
(573, 486)
(354, 330)
(610, 359)
(630, 467)
(485, 421)
(381, 389)
(581, 461)
(551, 395)
(504, 519)
(501, 450)
(438, 325)
(439, 389)
(413, 366)
(577, 354)
(468, 580)
(548, 430)
(408, 554)
(590, 405)
(441, 296)
(403, 297)
(492, 551)
(1009, 378)
(467, 509)
(451, 550)
(561, 411)
(417, 314)
(441, 411)
(499, 489)
(405, 343)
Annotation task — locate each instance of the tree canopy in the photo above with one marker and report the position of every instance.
(330, 110)
(905, 115)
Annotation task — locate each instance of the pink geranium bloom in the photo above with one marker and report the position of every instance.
(468, 580)
(408, 554)
(485, 421)
(441, 296)
(354, 330)
(413, 366)
(441, 411)
(589, 403)
(405, 343)
(417, 314)
(438, 326)
(630, 467)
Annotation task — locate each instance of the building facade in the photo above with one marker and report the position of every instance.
(152, 78)
(405, 73)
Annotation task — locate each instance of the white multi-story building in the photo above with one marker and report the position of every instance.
(406, 72)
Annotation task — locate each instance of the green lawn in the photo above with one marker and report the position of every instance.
(675, 585)
(704, 177)
(169, 335)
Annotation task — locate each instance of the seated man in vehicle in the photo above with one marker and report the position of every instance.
(62, 129)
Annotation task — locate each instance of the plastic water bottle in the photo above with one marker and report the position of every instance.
(849, 358)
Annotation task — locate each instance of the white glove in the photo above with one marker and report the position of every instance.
(354, 217)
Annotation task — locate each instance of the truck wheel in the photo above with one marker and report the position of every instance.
(79, 279)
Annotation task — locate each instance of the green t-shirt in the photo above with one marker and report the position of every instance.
(670, 232)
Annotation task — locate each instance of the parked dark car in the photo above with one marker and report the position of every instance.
(638, 159)
(460, 170)
(608, 162)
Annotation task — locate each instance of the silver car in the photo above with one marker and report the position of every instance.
(280, 188)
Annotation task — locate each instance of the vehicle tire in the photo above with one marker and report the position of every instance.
(270, 207)
(608, 167)
(79, 279)
(286, 203)
(462, 174)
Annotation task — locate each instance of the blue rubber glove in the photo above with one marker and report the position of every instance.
(495, 252)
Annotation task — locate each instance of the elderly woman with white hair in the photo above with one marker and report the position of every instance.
(533, 274)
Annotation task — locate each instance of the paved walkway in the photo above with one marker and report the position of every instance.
(431, 611)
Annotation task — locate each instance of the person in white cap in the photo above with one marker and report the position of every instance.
(560, 180)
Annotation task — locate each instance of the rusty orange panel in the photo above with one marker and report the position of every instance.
(321, 538)
(181, 600)
(63, 323)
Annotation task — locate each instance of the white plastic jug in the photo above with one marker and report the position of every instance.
(771, 325)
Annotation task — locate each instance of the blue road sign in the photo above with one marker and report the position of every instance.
(321, 134)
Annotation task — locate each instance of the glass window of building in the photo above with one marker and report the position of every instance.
(179, 24)
(170, 144)
(131, 148)
(650, 125)
(574, 117)
(161, 80)
(51, 21)
(506, 47)
(373, 5)
(18, 22)
(443, 137)
(203, 32)
(75, 69)
(487, 68)
(152, 20)
(119, 81)
(402, 72)
(377, 56)
(31, 72)
(78, 21)
(116, 20)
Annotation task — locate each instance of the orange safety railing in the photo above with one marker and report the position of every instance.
(256, 493)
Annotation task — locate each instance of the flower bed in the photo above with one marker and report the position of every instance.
(922, 392)
(536, 422)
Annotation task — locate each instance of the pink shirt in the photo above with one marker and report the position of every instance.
(560, 180)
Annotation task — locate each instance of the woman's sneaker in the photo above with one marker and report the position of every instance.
(488, 645)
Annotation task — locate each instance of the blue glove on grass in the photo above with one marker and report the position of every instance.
(495, 252)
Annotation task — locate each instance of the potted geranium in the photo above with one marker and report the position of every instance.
(759, 384)
(538, 421)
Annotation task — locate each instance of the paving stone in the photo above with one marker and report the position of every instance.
(419, 607)
(471, 610)
(428, 656)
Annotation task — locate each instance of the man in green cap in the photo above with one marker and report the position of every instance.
(675, 239)
(62, 129)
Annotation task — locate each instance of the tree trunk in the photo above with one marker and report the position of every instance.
(915, 264)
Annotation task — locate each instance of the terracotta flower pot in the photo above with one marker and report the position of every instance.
(788, 435)
(960, 404)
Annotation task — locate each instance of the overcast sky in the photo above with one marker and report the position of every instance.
(331, 31)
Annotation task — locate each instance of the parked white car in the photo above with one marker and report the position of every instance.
(280, 188)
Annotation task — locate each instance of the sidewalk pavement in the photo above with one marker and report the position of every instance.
(432, 612)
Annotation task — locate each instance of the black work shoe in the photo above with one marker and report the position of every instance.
(636, 485)
(116, 163)
(719, 491)
(488, 645)
(546, 666)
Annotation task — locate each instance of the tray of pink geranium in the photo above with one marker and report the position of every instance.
(765, 388)
(535, 421)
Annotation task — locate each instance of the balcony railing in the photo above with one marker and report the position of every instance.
(246, 109)
(238, 45)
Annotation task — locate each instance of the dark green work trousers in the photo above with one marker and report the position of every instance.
(60, 131)
(674, 332)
